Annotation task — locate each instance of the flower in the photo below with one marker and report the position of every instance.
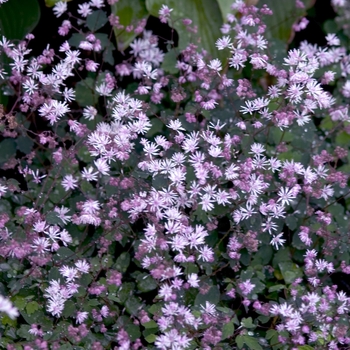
(60, 8)
(69, 183)
(7, 307)
(277, 240)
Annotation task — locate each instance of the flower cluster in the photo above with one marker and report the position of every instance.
(176, 197)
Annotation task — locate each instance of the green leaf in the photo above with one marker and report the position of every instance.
(150, 324)
(285, 13)
(208, 20)
(252, 343)
(146, 283)
(51, 3)
(305, 347)
(133, 331)
(240, 341)
(32, 306)
(132, 305)
(8, 149)
(157, 127)
(290, 271)
(129, 13)
(227, 330)
(18, 18)
(85, 93)
(24, 144)
(225, 8)
(53, 219)
(23, 332)
(64, 254)
(69, 308)
(125, 291)
(248, 323)
(123, 262)
(19, 302)
(276, 288)
(342, 139)
(213, 297)
(96, 20)
(169, 62)
(151, 338)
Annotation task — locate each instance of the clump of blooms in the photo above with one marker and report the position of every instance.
(175, 193)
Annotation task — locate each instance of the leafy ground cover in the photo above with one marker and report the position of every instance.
(173, 175)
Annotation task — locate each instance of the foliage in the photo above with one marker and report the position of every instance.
(157, 194)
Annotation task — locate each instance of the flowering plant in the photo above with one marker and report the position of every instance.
(186, 189)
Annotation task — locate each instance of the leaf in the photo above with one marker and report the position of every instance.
(290, 271)
(123, 262)
(69, 308)
(8, 149)
(240, 341)
(248, 323)
(85, 93)
(276, 288)
(51, 3)
(32, 306)
(150, 324)
(18, 18)
(132, 305)
(305, 347)
(225, 8)
(169, 62)
(252, 343)
(227, 330)
(208, 20)
(64, 254)
(151, 338)
(53, 219)
(285, 13)
(133, 331)
(157, 127)
(213, 297)
(24, 144)
(96, 20)
(146, 283)
(128, 13)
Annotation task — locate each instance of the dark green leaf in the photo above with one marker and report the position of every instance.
(151, 338)
(252, 343)
(32, 306)
(213, 297)
(285, 13)
(207, 19)
(150, 324)
(123, 262)
(146, 283)
(96, 20)
(248, 323)
(133, 331)
(8, 149)
(24, 144)
(132, 305)
(276, 287)
(53, 219)
(169, 62)
(85, 94)
(18, 18)
(227, 330)
(129, 14)
(290, 271)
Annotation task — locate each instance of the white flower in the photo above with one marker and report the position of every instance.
(277, 240)
(60, 8)
(193, 280)
(7, 307)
